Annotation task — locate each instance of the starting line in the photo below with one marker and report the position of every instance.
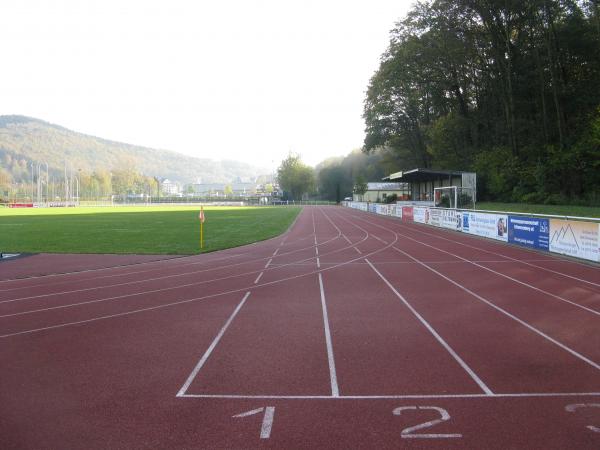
(392, 397)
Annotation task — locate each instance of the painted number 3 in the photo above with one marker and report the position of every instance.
(575, 406)
(409, 432)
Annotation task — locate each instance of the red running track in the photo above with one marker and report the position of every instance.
(349, 331)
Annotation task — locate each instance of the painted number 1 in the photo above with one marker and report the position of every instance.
(267, 423)
(573, 407)
(409, 432)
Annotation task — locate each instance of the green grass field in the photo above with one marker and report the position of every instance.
(559, 210)
(138, 230)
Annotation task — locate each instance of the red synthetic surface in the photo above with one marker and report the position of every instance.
(349, 317)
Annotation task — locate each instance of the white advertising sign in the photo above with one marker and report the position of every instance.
(451, 219)
(493, 226)
(419, 214)
(573, 238)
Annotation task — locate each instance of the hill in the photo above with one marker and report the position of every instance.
(24, 139)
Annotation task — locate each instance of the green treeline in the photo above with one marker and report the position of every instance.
(336, 177)
(507, 88)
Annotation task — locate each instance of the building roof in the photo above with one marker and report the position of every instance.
(417, 175)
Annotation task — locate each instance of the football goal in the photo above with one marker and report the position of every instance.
(454, 197)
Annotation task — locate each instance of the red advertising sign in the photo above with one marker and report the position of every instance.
(407, 213)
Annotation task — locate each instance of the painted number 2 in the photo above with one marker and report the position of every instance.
(267, 423)
(573, 407)
(409, 432)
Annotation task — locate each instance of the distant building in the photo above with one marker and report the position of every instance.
(422, 182)
(378, 192)
(169, 187)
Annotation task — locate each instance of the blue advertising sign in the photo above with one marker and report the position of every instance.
(531, 232)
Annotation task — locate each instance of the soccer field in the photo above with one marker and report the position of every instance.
(171, 230)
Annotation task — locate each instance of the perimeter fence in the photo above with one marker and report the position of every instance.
(578, 237)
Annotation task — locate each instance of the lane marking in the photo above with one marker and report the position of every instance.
(267, 424)
(350, 242)
(318, 263)
(210, 349)
(511, 259)
(195, 272)
(276, 251)
(379, 239)
(392, 397)
(268, 262)
(558, 297)
(258, 277)
(503, 311)
(335, 391)
(181, 302)
(458, 359)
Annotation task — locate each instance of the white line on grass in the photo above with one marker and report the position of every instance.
(212, 346)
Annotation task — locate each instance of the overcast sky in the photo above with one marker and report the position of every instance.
(243, 79)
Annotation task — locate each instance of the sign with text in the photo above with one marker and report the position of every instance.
(407, 213)
(574, 238)
(531, 232)
(451, 219)
(420, 214)
(493, 226)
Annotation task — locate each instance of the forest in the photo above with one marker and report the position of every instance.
(509, 89)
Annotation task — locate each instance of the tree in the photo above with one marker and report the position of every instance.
(360, 186)
(228, 191)
(295, 178)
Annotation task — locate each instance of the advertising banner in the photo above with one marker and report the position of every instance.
(372, 207)
(493, 226)
(574, 238)
(407, 213)
(451, 219)
(433, 217)
(529, 232)
(398, 211)
(420, 214)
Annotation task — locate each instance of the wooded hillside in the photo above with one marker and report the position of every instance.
(24, 139)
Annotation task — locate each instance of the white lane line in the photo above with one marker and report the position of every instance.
(210, 349)
(181, 302)
(379, 239)
(503, 311)
(527, 262)
(558, 297)
(268, 262)
(265, 429)
(350, 242)
(318, 263)
(276, 251)
(154, 278)
(400, 396)
(258, 277)
(335, 392)
(458, 359)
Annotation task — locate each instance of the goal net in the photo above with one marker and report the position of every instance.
(454, 197)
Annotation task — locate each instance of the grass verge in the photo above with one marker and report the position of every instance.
(559, 210)
(138, 230)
